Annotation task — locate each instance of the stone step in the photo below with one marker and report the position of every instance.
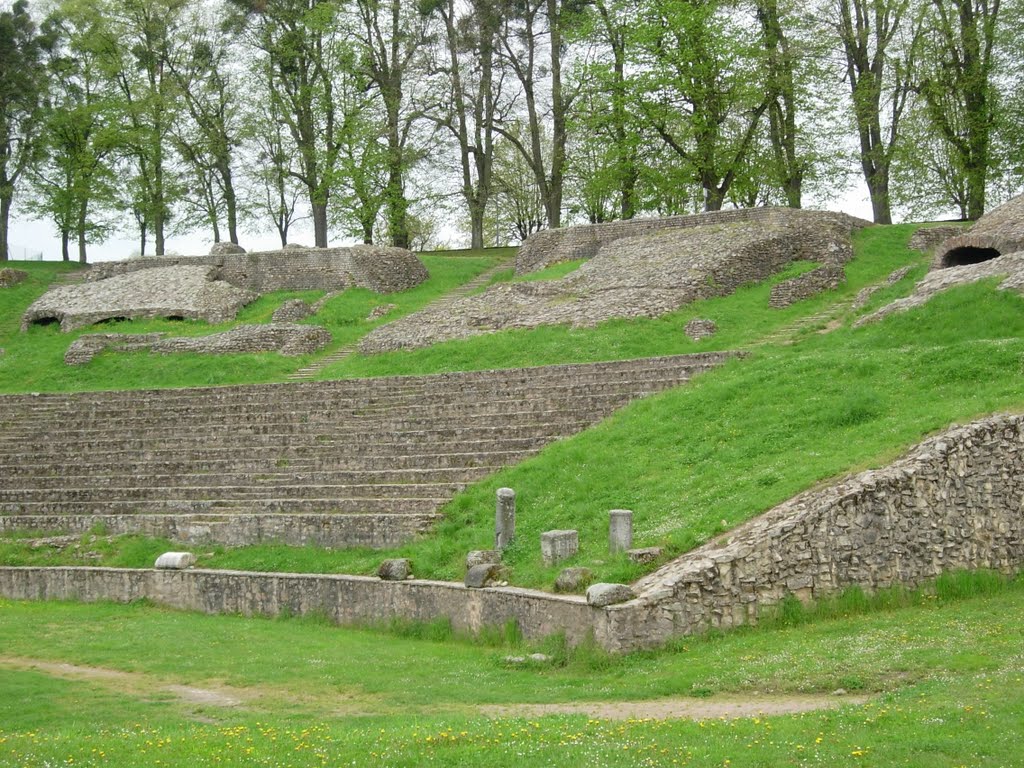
(130, 463)
(193, 476)
(172, 505)
(244, 440)
(228, 493)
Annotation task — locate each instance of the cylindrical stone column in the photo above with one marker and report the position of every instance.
(620, 530)
(505, 518)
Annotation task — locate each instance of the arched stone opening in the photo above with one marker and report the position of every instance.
(968, 254)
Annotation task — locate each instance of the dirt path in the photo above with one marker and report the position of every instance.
(218, 695)
(728, 706)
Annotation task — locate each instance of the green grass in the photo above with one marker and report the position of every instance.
(34, 360)
(943, 667)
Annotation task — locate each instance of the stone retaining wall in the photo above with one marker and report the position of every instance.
(954, 502)
(552, 246)
(379, 269)
(826, 278)
(347, 600)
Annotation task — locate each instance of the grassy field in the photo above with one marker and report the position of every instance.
(34, 360)
(941, 673)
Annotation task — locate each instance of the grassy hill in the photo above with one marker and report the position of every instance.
(801, 407)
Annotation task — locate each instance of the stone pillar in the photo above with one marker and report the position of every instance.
(505, 518)
(556, 546)
(620, 530)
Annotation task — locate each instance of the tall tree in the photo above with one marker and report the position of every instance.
(74, 180)
(298, 39)
(958, 87)
(468, 105)
(22, 87)
(879, 40)
(699, 90)
(207, 141)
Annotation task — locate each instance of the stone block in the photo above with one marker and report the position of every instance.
(556, 546)
(223, 249)
(482, 557)
(699, 328)
(397, 569)
(483, 575)
(620, 530)
(573, 579)
(601, 595)
(292, 311)
(175, 561)
(644, 555)
(9, 277)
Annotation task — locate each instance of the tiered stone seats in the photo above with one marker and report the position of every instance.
(347, 463)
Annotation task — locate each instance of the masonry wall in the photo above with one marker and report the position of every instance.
(826, 278)
(552, 246)
(384, 270)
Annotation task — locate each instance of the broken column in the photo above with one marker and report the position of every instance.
(505, 518)
(620, 530)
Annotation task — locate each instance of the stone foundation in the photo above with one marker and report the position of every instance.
(809, 284)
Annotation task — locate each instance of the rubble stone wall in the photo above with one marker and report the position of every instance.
(826, 278)
(384, 270)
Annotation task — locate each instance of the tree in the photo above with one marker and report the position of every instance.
(468, 107)
(22, 88)
(298, 39)
(879, 40)
(697, 88)
(74, 178)
(274, 192)
(957, 86)
(517, 206)
(208, 140)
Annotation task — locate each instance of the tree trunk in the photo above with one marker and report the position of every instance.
(319, 223)
(5, 216)
(476, 226)
(878, 187)
(553, 201)
(65, 238)
(231, 203)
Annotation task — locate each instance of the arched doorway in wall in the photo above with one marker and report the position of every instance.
(968, 254)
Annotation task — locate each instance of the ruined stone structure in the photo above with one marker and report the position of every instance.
(378, 268)
(283, 338)
(1010, 268)
(649, 268)
(826, 278)
(191, 292)
(344, 463)
(928, 238)
(9, 277)
(956, 501)
(995, 234)
(553, 246)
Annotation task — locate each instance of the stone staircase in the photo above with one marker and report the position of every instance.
(309, 372)
(342, 463)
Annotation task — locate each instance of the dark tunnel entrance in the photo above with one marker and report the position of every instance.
(960, 257)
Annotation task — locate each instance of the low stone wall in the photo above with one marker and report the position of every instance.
(954, 502)
(927, 239)
(380, 269)
(819, 280)
(379, 531)
(1001, 230)
(552, 246)
(9, 277)
(351, 600)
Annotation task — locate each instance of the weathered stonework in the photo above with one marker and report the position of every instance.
(928, 238)
(647, 270)
(223, 249)
(864, 294)
(9, 277)
(191, 292)
(996, 233)
(292, 311)
(553, 246)
(1009, 267)
(826, 278)
(284, 338)
(378, 268)
(698, 329)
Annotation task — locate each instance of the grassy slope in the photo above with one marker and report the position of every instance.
(34, 359)
(948, 664)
